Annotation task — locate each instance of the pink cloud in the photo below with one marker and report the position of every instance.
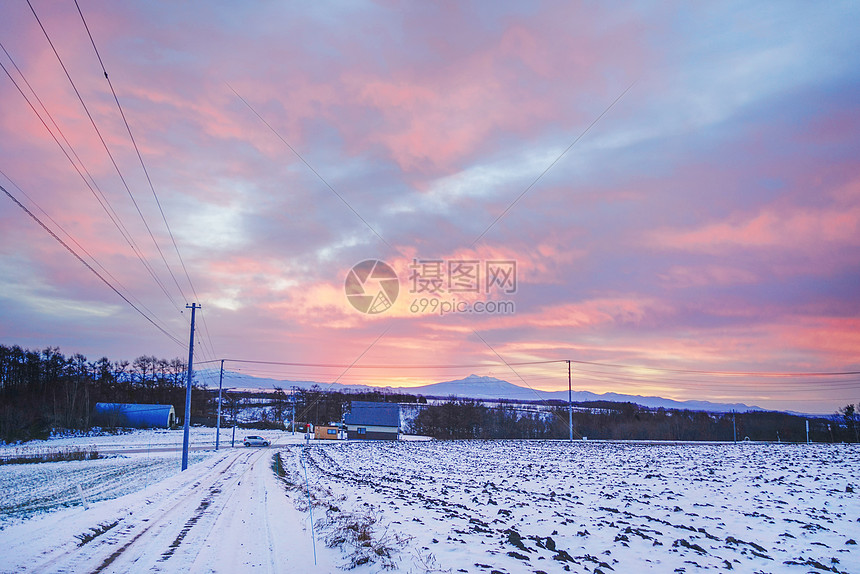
(831, 340)
(804, 230)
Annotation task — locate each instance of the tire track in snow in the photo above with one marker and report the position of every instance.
(225, 512)
(165, 518)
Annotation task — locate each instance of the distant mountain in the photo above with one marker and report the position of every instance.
(234, 380)
(473, 387)
(477, 387)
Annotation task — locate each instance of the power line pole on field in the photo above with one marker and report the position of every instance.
(569, 403)
(193, 307)
(218, 426)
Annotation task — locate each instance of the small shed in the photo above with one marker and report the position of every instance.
(327, 432)
(135, 415)
(372, 421)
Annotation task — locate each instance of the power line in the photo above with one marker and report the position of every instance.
(103, 201)
(706, 385)
(348, 367)
(148, 179)
(714, 383)
(291, 373)
(211, 352)
(60, 131)
(75, 241)
(729, 390)
(726, 373)
(544, 362)
(550, 166)
(88, 266)
(603, 377)
(507, 364)
(107, 149)
(342, 365)
(136, 149)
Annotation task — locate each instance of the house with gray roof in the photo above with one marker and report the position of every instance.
(372, 421)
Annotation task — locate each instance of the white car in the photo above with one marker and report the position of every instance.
(254, 440)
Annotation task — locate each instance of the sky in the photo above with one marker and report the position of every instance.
(666, 193)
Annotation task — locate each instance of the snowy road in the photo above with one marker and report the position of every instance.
(225, 514)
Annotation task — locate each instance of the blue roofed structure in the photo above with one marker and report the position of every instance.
(135, 415)
(372, 421)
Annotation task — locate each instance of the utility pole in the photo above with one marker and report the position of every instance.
(193, 307)
(218, 426)
(569, 404)
(293, 397)
(233, 410)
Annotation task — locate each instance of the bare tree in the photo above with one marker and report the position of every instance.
(849, 418)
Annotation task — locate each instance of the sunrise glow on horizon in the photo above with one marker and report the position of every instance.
(656, 188)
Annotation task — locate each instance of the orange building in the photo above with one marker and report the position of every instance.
(326, 433)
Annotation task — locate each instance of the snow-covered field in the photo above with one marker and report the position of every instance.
(465, 506)
(523, 506)
(227, 513)
(30, 489)
(136, 440)
(133, 461)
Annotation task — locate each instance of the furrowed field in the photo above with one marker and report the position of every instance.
(522, 506)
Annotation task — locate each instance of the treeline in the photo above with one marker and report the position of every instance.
(469, 419)
(44, 390)
(274, 409)
(319, 406)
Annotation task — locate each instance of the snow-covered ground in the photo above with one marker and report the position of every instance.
(523, 506)
(466, 506)
(227, 513)
(138, 440)
(30, 489)
(133, 461)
